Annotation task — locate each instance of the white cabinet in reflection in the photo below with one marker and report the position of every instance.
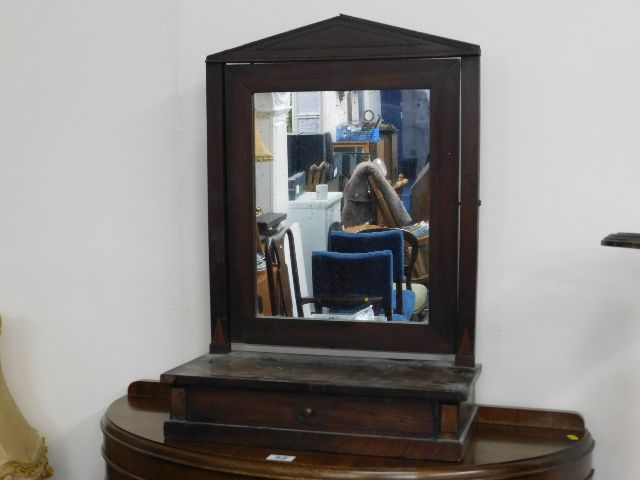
(315, 217)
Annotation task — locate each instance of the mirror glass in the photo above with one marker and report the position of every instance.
(342, 204)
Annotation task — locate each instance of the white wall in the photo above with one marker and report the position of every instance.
(103, 275)
(102, 201)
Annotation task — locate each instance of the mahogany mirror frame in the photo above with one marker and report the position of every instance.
(448, 68)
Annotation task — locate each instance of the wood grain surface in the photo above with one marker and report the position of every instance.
(328, 374)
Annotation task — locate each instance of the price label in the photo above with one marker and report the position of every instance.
(280, 458)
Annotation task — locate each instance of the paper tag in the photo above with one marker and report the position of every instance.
(280, 458)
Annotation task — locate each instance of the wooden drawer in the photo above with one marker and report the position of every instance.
(309, 411)
(380, 407)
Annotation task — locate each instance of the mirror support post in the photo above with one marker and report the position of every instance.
(216, 193)
(469, 204)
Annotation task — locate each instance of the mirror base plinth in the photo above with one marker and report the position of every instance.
(367, 406)
(358, 444)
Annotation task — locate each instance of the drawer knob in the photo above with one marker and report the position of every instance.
(307, 412)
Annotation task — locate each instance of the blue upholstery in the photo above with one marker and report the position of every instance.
(353, 274)
(392, 240)
(408, 303)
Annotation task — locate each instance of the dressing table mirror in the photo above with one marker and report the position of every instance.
(361, 64)
(325, 143)
(310, 104)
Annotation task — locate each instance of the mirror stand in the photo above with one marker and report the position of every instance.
(337, 80)
(367, 406)
(345, 398)
(289, 392)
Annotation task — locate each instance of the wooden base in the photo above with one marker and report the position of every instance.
(381, 407)
(360, 444)
(505, 444)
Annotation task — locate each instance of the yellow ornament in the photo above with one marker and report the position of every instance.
(23, 453)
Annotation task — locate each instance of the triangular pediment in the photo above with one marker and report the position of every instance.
(346, 37)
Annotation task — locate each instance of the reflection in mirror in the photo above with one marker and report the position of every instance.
(342, 204)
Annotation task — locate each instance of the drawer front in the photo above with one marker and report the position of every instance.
(311, 411)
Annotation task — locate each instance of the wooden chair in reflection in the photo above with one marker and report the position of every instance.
(261, 275)
(393, 240)
(280, 297)
(420, 210)
(317, 175)
(350, 281)
(400, 184)
(414, 252)
(386, 217)
(278, 275)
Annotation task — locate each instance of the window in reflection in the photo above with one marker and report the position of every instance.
(342, 204)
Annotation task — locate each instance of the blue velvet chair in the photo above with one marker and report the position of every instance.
(354, 278)
(404, 301)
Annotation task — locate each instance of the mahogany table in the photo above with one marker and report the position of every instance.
(506, 444)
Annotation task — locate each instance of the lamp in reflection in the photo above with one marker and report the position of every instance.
(262, 152)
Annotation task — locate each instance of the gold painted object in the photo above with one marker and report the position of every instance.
(262, 152)
(23, 453)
